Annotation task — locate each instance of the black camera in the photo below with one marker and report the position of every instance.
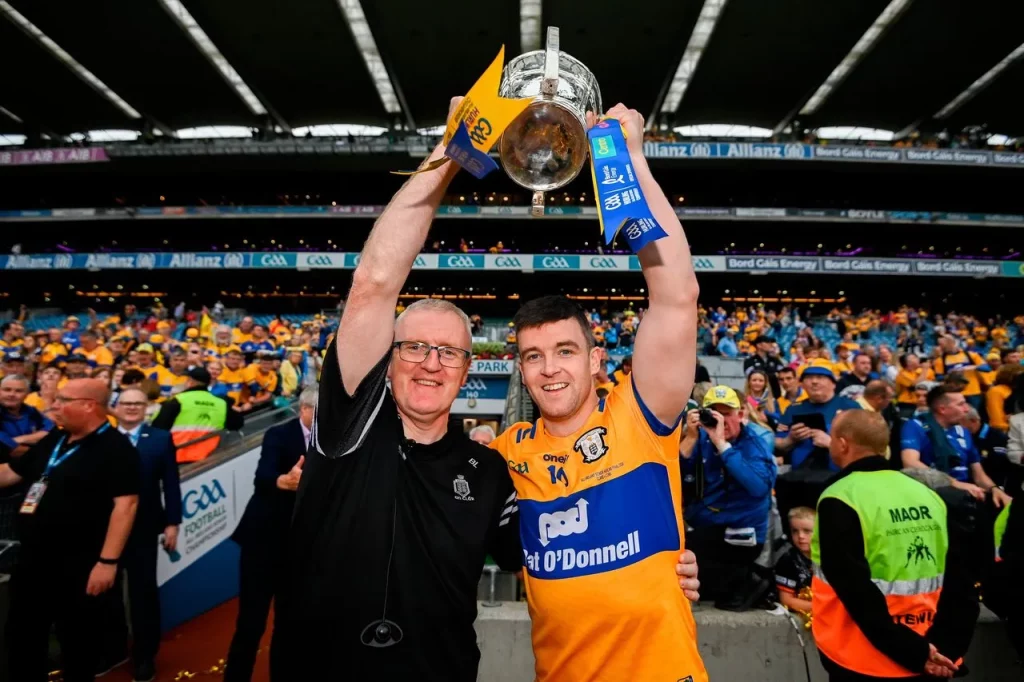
(707, 418)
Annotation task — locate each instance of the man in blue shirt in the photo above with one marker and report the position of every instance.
(728, 472)
(797, 435)
(937, 440)
(21, 426)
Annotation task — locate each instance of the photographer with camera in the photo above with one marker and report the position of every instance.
(728, 473)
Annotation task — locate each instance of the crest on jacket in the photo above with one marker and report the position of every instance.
(591, 445)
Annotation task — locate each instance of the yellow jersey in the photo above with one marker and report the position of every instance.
(100, 355)
(601, 525)
(259, 383)
(235, 380)
(53, 352)
(170, 383)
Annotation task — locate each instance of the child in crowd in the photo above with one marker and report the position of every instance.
(793, 570)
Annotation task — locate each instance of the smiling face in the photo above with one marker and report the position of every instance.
(426, 390)
(558, 367)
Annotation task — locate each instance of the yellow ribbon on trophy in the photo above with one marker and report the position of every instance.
(477, 123)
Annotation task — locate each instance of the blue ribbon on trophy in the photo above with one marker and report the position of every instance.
(621, 206)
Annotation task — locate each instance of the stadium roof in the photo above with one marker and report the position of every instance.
(73, 66)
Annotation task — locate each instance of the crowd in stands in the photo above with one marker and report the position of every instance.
(972, 137)
(950, 388)
(252, 364)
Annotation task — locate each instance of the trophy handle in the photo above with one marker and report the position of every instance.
(549, 86)
(537, 209)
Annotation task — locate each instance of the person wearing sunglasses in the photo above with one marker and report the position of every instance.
(75, 521)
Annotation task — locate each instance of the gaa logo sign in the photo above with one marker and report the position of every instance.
(463, 262)
(555, 262)
(273, 261)
(703, 264)
(195, 501)
(507, 262)
(604, 263)
(322, 260)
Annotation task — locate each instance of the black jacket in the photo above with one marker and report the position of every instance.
(269, 511)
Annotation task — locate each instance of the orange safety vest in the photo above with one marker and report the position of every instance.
(905, 543)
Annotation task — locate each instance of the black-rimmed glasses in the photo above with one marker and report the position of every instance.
(417, 351)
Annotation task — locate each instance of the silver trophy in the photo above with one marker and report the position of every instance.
(546, 146)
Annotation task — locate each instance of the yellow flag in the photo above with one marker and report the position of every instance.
(485, 114)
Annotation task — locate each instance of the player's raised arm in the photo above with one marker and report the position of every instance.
(367, 325)
(666, 345)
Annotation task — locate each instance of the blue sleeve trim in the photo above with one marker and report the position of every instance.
(8, 441)
(652, 421)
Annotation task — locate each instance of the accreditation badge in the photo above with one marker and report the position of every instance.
(35, 493)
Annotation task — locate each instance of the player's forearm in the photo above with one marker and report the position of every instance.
(400, 231)
(667, 264)
(121, 519)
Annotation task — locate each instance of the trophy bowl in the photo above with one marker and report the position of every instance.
(546, 146)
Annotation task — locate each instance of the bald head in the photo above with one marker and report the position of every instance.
(80, 407)
(857, 434)
(91, 389)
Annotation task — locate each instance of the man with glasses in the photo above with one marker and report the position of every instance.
(156, 516)
(75, 521)
(396, 509)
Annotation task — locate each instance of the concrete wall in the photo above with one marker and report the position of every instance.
(744, 647)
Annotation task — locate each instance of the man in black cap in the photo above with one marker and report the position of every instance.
(194, 413)
(764, 361)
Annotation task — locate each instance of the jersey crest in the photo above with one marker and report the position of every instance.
(591, 445)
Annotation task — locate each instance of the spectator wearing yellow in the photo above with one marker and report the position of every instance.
(233, 378)
(92, 351)
(145, 358)
(844, 359)
(10, 337)
(261, 378)
(243, 333)
(792, 391)
(292, 371)
(953, 359)
(995, 397)
(218, 348)
(994, 359)
(912, 372)
(171, 379)
(49, 381)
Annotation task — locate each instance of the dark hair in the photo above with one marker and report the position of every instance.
(132, 377)
(548, 309)
(787, 368)
(938, 395)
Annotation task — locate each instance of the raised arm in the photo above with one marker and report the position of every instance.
(367, 325)
(666, 344)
